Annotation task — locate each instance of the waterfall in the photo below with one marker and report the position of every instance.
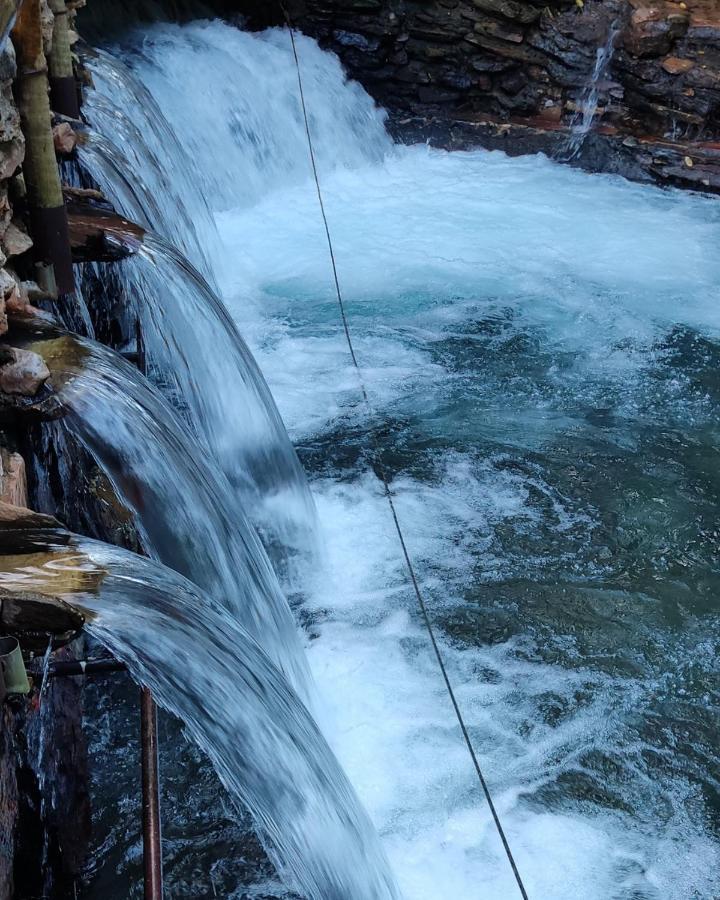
(187, 510)
(259, 142)
(584, 116)
(208, 670)
(128, 159)
(223, 391)
(194, 351)
(540, 365)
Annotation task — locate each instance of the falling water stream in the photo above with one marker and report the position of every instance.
(585, 115)
(147, 452)
(203, 666)
(540, 349)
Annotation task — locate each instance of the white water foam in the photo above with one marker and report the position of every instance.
(566, 286)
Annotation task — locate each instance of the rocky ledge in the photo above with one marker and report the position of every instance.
(517, 75)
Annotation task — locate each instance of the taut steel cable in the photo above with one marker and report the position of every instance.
(386, 485)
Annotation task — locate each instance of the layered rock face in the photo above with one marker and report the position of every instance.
(521, 74)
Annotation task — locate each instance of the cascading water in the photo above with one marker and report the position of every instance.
(222, 393)
(124, 156)
(259, 141)
(228, 402)
(540, 347)
(584, 117)
(185, 507)
(236, 705)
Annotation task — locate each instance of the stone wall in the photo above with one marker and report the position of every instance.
(513, 74)
(44, 806)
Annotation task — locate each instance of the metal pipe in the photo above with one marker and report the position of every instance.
(70, 667)
(152, 848)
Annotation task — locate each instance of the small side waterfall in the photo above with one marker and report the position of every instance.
(584, 117)
(207, 669)
(187, 510)
(196, 353)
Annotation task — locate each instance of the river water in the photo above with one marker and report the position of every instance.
(541, 351)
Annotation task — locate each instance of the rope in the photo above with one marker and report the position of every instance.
(386, 485)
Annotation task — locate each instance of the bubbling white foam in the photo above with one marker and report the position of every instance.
(514, 322)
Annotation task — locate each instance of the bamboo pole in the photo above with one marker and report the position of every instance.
(48, 218)
(63, 89)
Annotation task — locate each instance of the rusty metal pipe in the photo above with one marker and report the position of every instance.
(152, 848)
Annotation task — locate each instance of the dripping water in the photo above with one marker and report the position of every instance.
(584, 117)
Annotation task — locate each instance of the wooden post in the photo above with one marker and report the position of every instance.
(48, 218)
(63, 89)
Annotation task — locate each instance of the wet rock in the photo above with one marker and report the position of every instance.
(653, 29)
(455, 64)
(19, 518)
(510, 9)
(31, 617)
(18, 303)
(98, 234)
(673, 65)
(500, 30)
(21, 371)
(360, 41)
(24, 530)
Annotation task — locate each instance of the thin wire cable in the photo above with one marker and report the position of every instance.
(386, 485)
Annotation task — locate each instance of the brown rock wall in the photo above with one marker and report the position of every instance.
(456, 71)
